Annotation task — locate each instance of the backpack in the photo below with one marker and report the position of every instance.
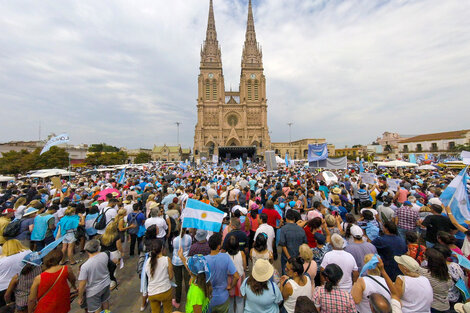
(13, 229)
(100, 222)
(173, 224)
(133, 221)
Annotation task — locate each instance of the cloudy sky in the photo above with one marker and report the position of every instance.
(123, 72)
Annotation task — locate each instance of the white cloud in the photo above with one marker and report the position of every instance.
(123, 72)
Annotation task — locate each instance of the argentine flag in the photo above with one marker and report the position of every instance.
(361, 167)
(122, 176)
(455, 196)
(199, 215)
(286, 159)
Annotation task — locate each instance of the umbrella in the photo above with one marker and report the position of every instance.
(6, 178)
(396, 163)
(113, 191)
(186, 175)
(427, 167)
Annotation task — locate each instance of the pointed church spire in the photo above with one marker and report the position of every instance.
(252, 55)
(210, 54)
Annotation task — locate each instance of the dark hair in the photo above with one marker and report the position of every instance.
(290, 215)
(269, 204)
(53, 258)
(256, 286)
(214, 241)
(333, 274)
(366, 204)
(446, 238)
(437, 265)
(303, 304)
(368, 215)
(314, 223)
(347, 233)
(157, 247)
(349, 218)
(261, 242)
(436, 208)
(316, 204)
(391, 227)
(297, 265)
(136, 206)
(411, 236)
(205, 286)
(263, 217)
(443, 249)
(232, 245)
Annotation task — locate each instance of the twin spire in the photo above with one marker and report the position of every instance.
(210, 52)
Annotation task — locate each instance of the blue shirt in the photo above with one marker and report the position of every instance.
(221, 265)
(267, 302)
(185, 243)
(389, 246)
(167, 200)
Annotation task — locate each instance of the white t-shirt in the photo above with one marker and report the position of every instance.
(9, 267)
(161, 224)
(268, 230)
(110, 215)
(347, 263)
(160, 281)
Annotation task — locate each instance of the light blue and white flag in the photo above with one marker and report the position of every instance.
(370, 265)
(183, 166)
(317, 152)
(57, 140)
(200, 215)
(286, 160)
(455, 196)
(361, 167)
(463, 261)
(412, 158)
(122, 176)
(240, 164)
(460, 284)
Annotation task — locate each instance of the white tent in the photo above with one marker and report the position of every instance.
(51, 172)
(280, 160)
(6, 178)
(427, 167)
(396, 163)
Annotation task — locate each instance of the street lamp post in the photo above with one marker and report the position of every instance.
(177, 133)
(290, 138)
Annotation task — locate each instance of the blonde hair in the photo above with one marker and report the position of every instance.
(330, 220)
(425, 208)
(69, 211)
(34, 203)
(20, 201)
(374, 271)
(121, 214)
(110, 234)
(151, 198)
(306, 253)
(11, 247)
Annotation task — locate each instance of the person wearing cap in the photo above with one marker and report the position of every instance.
(5, 219)
(344, 259)
(261, 294)
(200, 288)
(462, 308)
(415, 291)
(406, 218)
(200, 246)
(359, 248)
(26, 226)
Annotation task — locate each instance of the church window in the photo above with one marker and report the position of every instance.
(256, 89)
(249, 90)
(214, 89)
(208, 92)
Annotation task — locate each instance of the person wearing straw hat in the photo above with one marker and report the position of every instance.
(462, 308)
(261, 294)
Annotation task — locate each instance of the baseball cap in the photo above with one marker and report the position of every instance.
(407, 203)
(6, 211)
(356, 231)
(462, 308)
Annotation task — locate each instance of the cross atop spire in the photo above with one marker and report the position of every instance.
(210, 53)
(252, 55)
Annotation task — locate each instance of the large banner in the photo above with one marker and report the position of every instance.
(393, 184)
(331, 164)
(57, 140)
(317, 152)
(271, 164)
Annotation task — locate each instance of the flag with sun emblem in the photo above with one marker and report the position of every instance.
(200, 215)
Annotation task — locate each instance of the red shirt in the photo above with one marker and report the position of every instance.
(273, 216)
(312, 243)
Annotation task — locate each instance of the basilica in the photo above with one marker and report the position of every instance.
(231, 124)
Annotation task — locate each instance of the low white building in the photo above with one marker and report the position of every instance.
(439, 143)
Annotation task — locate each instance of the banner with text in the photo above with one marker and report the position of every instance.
(368, 178)
(317, 152)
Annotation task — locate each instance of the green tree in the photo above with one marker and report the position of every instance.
(16, 162)
(102, 147)
(143, 157)
(109, 158)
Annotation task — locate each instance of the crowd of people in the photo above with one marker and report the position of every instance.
(289, 242)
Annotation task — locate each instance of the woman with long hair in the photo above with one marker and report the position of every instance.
(200, 288)
(310, 266)
(260, 249)
(50, 291)
(437, 273)
(261, 294)
(159, 271)
(67, 227)
(328, 297)
(294, 285)
(111, 241)
(183, 241)
(239, 260)
(19, 207)
(122, 213)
